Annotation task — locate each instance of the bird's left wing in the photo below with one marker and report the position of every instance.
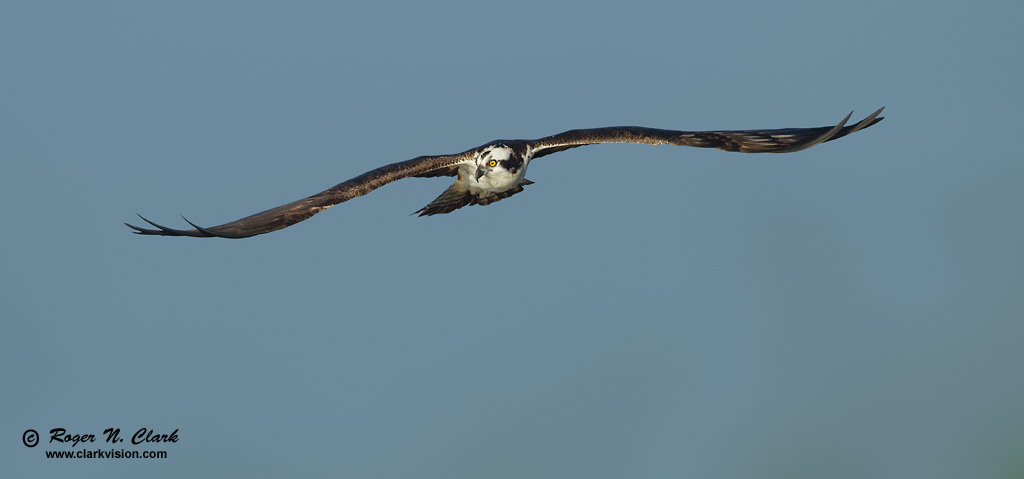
(747, 141)
(296, 211)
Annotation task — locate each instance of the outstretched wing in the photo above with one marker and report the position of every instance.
(746, 141)
(296, 211)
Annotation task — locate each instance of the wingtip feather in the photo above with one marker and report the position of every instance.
(200, 229)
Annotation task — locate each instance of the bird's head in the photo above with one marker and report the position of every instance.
(498, 164)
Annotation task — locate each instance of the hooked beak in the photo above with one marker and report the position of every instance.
(480, 172)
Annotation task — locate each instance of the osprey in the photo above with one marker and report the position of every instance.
(497, 170)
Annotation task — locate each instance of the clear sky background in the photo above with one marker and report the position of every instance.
(853, 310)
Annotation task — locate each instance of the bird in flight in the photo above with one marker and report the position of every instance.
(497, 170)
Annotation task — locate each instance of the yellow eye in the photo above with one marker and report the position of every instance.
(492, 163)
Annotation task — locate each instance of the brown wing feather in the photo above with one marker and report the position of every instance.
(446, 171)
(296, 211)
(746, 141)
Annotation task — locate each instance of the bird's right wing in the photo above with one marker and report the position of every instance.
(296, 211)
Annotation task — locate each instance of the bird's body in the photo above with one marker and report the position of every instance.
(497, 170)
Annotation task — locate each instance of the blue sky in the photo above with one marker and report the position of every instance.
(852, 310)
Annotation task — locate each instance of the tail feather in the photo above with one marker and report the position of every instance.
(458, 195)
